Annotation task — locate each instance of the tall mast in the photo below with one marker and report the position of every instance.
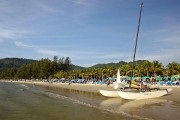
(133, 64)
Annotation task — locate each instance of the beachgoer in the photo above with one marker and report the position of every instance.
(108, 83)
(69, 83)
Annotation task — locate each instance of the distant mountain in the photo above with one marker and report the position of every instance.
(7, 63)
(108, 65)
(115, 64)
(76, 67)
(18, 62)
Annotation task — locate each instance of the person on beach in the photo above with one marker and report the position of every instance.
(108, 83)
(69, 83)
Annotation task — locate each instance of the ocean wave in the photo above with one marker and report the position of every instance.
(23, 86)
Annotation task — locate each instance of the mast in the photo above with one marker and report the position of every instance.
(133, 64)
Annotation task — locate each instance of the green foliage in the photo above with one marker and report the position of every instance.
(41, 69)
(62, 68)
(8, 73)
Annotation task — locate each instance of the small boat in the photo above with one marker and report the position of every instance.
(109, 93)
(136, 95)
(143, 95)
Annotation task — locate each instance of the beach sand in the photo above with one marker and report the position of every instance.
(174, 95)
(85, 88)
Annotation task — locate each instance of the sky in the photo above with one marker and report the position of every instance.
(90, 31)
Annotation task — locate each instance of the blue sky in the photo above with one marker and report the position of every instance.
(90, 31)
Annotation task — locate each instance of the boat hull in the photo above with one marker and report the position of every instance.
(109, 93)
(143, 95)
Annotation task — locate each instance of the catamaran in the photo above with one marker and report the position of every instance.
(132, 94)
(141, 94)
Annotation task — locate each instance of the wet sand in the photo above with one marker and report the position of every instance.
(174, 95)
(74, 87)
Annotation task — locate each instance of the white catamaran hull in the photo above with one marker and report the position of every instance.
(142, 95)
(109, 93)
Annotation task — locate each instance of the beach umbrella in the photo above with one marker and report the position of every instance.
(172, 78)
(145, 77)
(129, 78)
(159, 78)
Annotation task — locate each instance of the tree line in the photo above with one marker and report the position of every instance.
(42, 69)
(62, 68)
(142, 68)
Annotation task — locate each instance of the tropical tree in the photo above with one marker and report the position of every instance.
(64, 64)
(147, 67)
(23, 73)
(139, 70)
(172, 68)
(45, 68)
(61, 74)
(8, 74)
(157, 67)
(125, 70)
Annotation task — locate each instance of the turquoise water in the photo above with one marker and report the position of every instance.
(28, 102)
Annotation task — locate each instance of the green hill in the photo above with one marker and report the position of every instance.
(115, 64)
(7, 63)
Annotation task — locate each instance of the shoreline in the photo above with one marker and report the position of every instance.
(73, 87)
(124, 107)
(80, 88)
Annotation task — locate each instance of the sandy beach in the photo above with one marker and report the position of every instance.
(94, 88)
(89, 88)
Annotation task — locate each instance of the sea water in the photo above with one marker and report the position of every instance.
(28, 102)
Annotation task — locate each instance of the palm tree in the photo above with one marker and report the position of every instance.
(172, 68)
(139, 70)
(125, 70)
(156, 67)
(147, 66)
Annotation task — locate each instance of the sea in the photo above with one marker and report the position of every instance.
(30, 102)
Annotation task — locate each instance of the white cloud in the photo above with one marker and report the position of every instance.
(6, 34)
(47, 52)
(36, 48)
(45, 7)
(20, 44)
(12, 34)
(79, 1)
